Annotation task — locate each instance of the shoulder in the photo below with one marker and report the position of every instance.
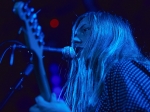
(126, 67)
(128, 85)
(129, 75)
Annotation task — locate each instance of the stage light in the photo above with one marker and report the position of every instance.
(54, 23)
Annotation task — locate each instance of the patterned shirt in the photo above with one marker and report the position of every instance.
(127, 88)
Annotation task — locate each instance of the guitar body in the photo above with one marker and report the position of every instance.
(34, 41)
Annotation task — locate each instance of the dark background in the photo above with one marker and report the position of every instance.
(137, 12)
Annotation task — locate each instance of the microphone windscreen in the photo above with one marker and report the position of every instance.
(68, 52)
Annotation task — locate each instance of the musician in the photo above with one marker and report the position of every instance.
(108, 74)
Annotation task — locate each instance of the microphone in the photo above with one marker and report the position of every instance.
(68, 52)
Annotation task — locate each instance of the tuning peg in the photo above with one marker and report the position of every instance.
(20, 30)
(41, 37)
(41, 43)
(39, 29)
(38, 32)
(25, 7)
(32, 18)
(34, 24)
(32, 9)
(40, 40)
(29, 12)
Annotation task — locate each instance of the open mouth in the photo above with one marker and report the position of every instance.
(78, 50)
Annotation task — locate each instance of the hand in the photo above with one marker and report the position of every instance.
(53, 106)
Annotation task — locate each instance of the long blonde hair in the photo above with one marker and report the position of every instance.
(111, 41)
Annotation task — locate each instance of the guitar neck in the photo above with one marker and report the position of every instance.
(42, 79)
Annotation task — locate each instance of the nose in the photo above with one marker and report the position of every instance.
(76, 40)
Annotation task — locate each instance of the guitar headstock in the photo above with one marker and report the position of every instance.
(32, 30)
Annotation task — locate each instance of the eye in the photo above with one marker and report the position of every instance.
(85, 29)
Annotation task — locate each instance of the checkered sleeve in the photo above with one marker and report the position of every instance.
(127, 88)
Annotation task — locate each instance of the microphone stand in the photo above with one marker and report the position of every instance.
(25, 73)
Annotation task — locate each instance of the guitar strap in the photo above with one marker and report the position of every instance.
(141, 67)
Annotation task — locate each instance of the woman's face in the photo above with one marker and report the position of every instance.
(81, 34)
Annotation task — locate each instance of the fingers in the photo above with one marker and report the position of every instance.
(53, 97)
(41, 99)
(34, 108)
(41, 102)
(52, 106)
